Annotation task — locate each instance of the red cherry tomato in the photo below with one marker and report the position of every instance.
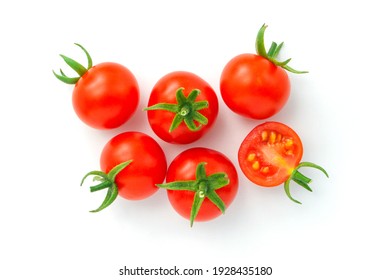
(105, 96)
(271, 155)
(182, 107)
(132, 163)
(256, 85)
(201, 183)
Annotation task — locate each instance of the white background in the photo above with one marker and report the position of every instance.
(340, 110)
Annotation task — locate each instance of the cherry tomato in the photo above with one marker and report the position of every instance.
(182, 107)
(256, 85)
(132, 163)
(105, 96)
(271, 155)
(201, 183)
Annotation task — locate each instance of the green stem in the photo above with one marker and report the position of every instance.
(203, 187)
(102, 186)
(198, 200)
(186, 110)
(107, 181)
(77, 67)
(301, 179)
(273, 52)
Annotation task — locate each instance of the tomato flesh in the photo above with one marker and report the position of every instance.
(269, 154)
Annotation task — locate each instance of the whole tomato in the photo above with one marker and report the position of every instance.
(182, 107)
(132, 163)
(105, 96)
(256, 85)
(201, 183)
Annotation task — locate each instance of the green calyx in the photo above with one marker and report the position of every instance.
(186, 110)
(107, 181)
(80, 69)
(273, 52)
(203, 186)
(301, 179)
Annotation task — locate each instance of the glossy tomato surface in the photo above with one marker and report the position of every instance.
(254, 87)
(269, 154)
(165, 90)
(183, 168)
(148, 167)
(106, 96)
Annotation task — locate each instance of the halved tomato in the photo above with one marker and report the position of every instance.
(271, 155)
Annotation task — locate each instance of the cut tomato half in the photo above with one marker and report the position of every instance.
(270, 153)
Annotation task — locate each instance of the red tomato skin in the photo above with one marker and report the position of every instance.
(106, 96)
(183, 168)
(254, 87)
(148, 168)
(253, 142)
(164, 91)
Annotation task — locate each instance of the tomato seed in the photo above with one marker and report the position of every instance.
(265, 169)
(251, 157)
(264, 135)
(272, 137)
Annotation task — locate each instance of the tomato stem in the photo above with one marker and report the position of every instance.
(301, 179)
(273, 52)
(186, 110)
(77, 67)
(203, 187)
(101, 186)
(107, 181)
